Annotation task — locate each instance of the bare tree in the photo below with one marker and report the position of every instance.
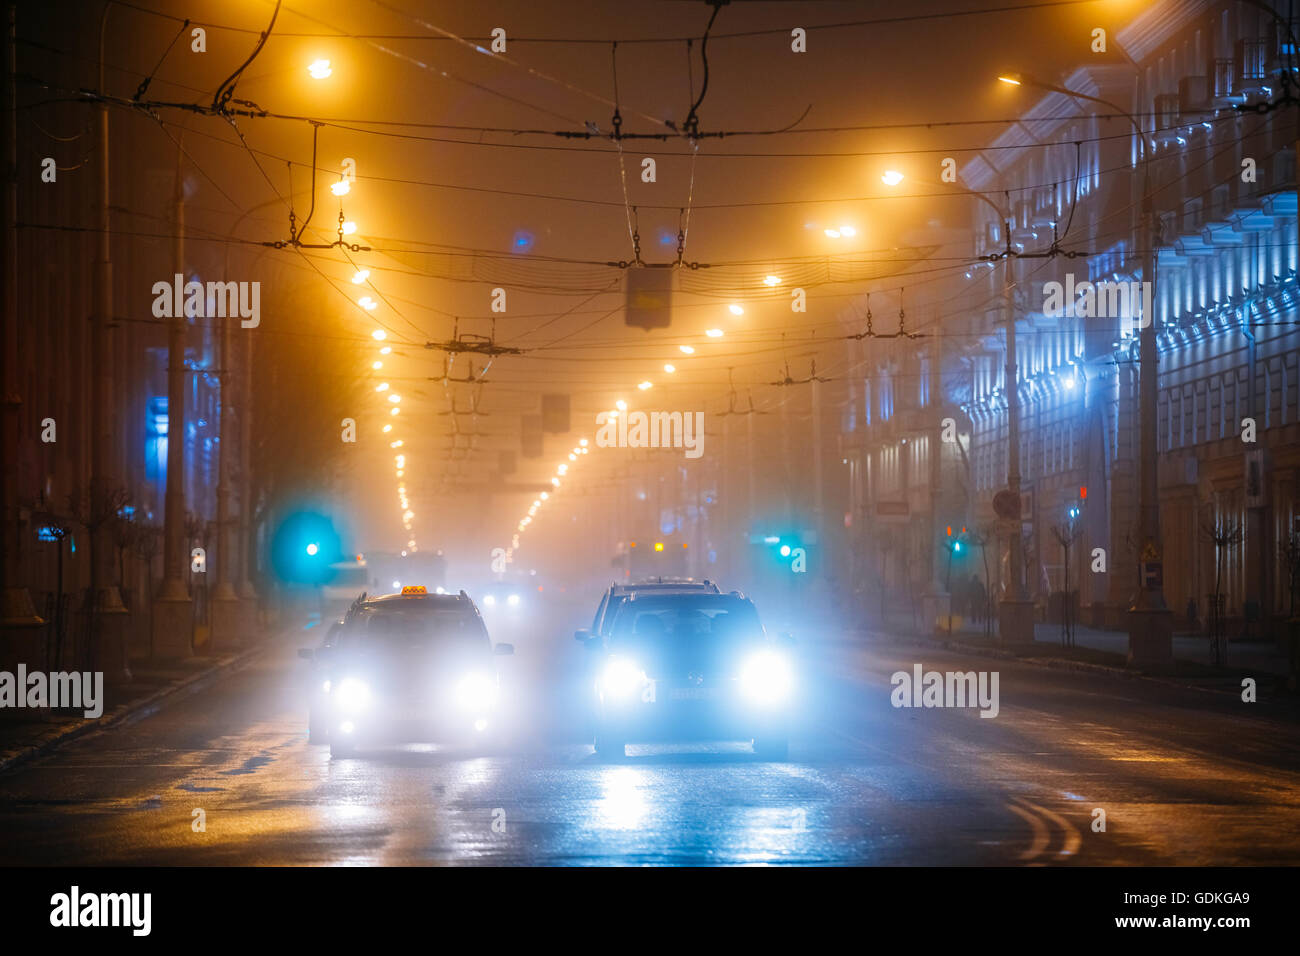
(981, 538)
(146, 545)
(1225, 532)
(1066, 535)
(1291, 558)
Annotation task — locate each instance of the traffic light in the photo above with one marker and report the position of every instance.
(1074, 511)
(789, 551)
(303, 547)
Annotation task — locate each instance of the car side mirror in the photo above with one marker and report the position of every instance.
(306, 653)
(582, 634)
(503, 650)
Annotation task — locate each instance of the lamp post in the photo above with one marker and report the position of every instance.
(234, 613)
(16, 608)
(1149, 624)
(172, 624)
(1015, 610)
(104, 600)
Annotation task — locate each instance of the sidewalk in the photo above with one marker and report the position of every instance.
(1261, 656)
(1100, 651)
(26, 734)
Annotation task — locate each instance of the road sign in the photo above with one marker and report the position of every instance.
(1006, 505)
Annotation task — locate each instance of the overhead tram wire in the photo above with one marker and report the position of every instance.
(503, 58)
(582, 200)
(735, 35)
(458, 79)
(219, 187)
(85, 95)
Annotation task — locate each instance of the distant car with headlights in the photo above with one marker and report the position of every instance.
(507, 596)
(682, 664)
(413, 666)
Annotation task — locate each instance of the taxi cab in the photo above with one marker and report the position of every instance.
(405, 667)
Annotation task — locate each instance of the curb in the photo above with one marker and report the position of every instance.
(131, 711)
(1060, 663)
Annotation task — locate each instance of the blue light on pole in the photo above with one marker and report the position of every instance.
(303, 547)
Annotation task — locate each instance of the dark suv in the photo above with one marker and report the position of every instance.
(407, 667)
(618, 593)
(677, 664)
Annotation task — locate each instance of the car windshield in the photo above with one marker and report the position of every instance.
(686, 619)
(409, 624)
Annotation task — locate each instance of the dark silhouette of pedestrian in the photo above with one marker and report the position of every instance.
(978, 598)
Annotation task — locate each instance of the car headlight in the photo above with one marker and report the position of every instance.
(766, 678)
(513, 600)
(353, 695)
(622, 678)
(476, 692)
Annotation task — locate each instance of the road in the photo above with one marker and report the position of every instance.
(1184, 776)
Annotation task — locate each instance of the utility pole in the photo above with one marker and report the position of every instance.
(937, 600)
(1150, 626)
(104, 601)
(245, 587)
(233, 612)
(225, 603)
(1015, 611)
(722, 541)
(1150, 631)
(819, 501)
(16, 608)
(173, 616)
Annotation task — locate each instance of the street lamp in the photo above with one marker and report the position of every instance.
(1150, 630)
(1016, 611)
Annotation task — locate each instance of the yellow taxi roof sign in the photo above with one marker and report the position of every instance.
(411, 590)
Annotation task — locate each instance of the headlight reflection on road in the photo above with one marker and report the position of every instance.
(623, 805)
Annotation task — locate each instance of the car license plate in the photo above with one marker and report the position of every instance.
(694, 693)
